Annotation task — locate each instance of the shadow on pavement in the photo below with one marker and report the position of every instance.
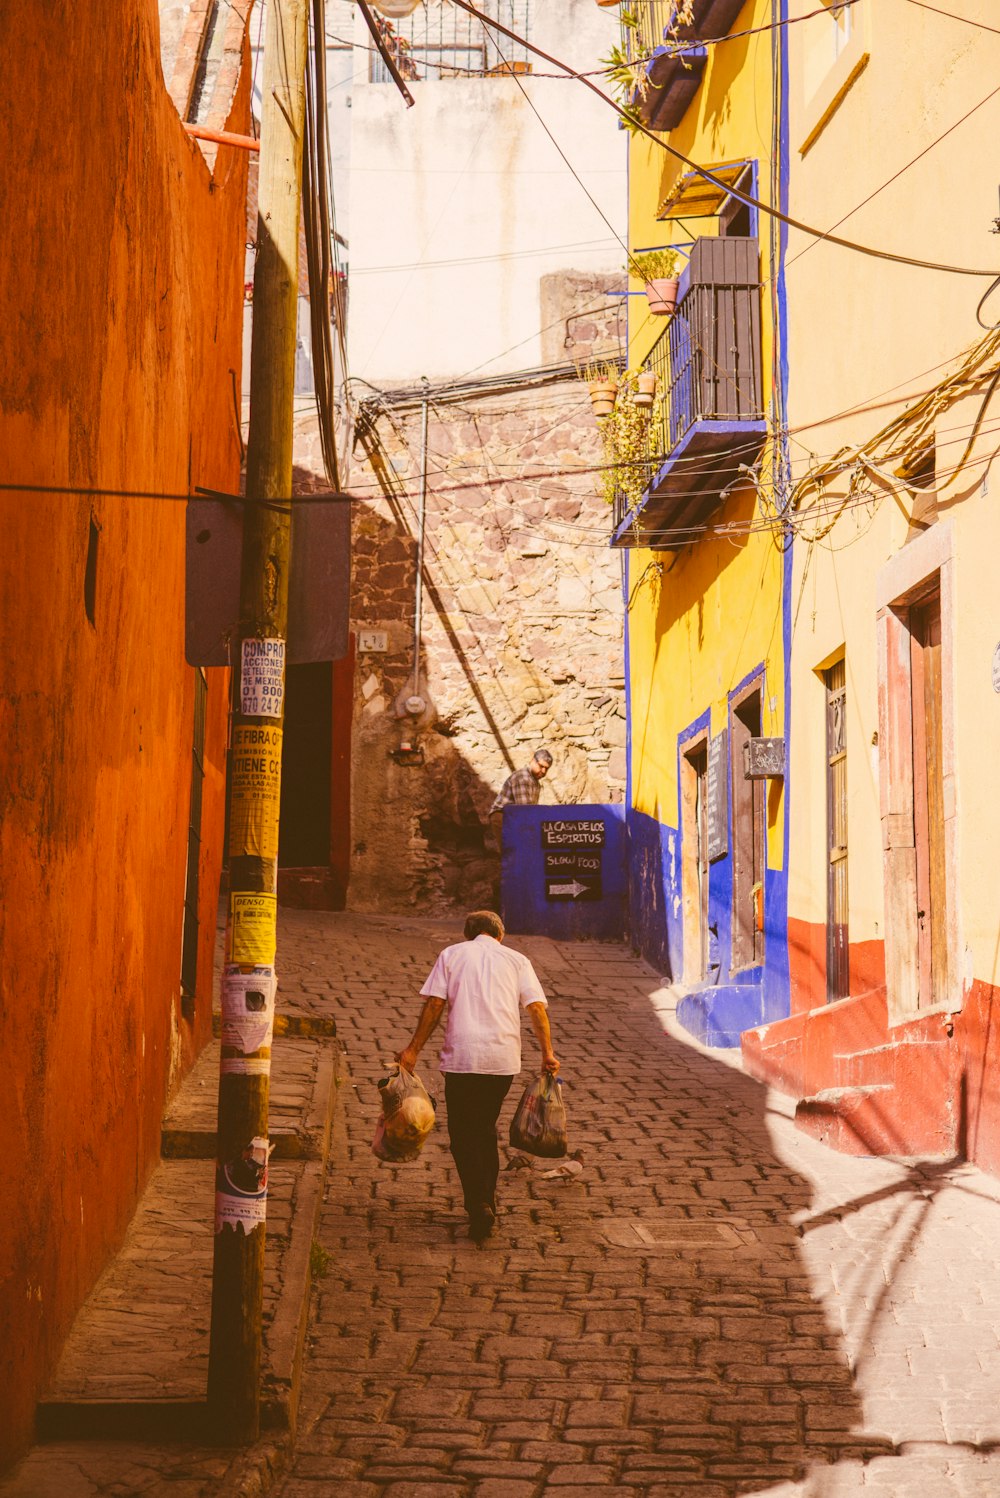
(648, 1328)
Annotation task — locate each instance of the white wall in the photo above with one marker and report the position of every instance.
(461, 204)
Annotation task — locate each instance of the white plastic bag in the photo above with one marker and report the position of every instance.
(407, 1117)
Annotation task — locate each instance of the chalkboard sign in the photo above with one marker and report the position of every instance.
(573, 834)
(718, 796)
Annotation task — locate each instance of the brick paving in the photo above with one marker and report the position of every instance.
(717, 1306)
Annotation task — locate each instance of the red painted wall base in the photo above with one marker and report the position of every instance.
(928, 1087)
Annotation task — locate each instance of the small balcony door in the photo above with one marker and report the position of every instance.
(837, 965)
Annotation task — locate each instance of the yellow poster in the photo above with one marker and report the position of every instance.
(254, 923)
(255, 777)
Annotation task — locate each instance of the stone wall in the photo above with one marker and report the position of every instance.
(521, 631)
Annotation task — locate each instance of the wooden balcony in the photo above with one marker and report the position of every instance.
(709, 427)
(673, 72)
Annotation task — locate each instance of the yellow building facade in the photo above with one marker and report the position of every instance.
(708, 564)
(894, 632)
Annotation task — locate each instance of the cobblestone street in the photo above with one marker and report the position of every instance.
(716, 1306)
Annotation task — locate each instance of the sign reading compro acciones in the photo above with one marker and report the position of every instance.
(255, 771)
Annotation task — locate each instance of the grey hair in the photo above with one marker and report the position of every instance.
(483, 923)
(543, 756)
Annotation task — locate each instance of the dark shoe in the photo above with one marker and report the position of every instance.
(481, 1223)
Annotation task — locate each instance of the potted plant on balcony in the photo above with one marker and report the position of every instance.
(625, 443)
(602, 381)
(659, 270)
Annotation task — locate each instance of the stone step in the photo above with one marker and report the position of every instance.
(135, 1364)
(879, 1119)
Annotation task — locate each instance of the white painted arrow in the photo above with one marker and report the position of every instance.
(573, 889)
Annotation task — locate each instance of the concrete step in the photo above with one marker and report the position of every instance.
(301, 1082)
(135, 1364)
(880, 1119)
(896, 1063)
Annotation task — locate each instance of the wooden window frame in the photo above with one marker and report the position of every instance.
(924, 565)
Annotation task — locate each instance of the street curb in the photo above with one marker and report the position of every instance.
(255, 1472)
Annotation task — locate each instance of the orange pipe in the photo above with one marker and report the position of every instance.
(223, 137)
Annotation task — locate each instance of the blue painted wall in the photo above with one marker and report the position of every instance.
(525, 905)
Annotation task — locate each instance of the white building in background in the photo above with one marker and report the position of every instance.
(459, 206)
(449, 213)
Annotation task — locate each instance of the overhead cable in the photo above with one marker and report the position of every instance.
(709, 176)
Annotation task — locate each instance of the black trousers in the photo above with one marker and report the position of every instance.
(474, 1104)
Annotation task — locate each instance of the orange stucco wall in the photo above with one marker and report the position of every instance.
(120, 325)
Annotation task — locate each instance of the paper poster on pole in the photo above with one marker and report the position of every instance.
(255, 780)
(262, 678)
(241, 1189)
(248, 1007)
(254, 929)
(245, 1066)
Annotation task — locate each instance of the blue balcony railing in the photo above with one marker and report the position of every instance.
(709, 420)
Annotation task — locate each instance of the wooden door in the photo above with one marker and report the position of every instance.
(701, 768)
(928, 800)
(748, 841)
(837, 965)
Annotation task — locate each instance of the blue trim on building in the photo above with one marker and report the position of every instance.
(729, 1003)
(706, 430)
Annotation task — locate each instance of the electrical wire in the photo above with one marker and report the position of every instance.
(707, 175)
(896, 176)
(950, 15)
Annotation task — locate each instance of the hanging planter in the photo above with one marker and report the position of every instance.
(645, 389)
(661, 296)
(608, 4)
(657, 269)
(603, 394)
(396, 9)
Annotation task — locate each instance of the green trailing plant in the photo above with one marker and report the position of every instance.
(655, 265)
(625, 442)
(625, 67)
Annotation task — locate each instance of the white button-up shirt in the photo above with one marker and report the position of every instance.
(486, 985)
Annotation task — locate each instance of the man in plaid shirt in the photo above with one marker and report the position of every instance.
(520, 789)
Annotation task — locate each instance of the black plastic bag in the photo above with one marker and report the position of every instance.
(539, 1125)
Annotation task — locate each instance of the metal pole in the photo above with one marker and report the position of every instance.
(249, 984)
(421, 521)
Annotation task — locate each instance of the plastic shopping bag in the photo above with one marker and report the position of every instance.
(407, 1117)
(539, 1125)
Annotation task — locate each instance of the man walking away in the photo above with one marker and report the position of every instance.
(520, 789)
(485, 986)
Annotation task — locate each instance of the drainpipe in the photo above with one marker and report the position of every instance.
(421, 519)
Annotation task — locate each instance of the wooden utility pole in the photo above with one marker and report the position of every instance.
(249, 984)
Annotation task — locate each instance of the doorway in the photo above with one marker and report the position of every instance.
(928, 800)
(314, 843)
(837, 950)
(694, 859)
(748, 837)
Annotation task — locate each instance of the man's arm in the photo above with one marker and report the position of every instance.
(429, 1016)
(539, 1016)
